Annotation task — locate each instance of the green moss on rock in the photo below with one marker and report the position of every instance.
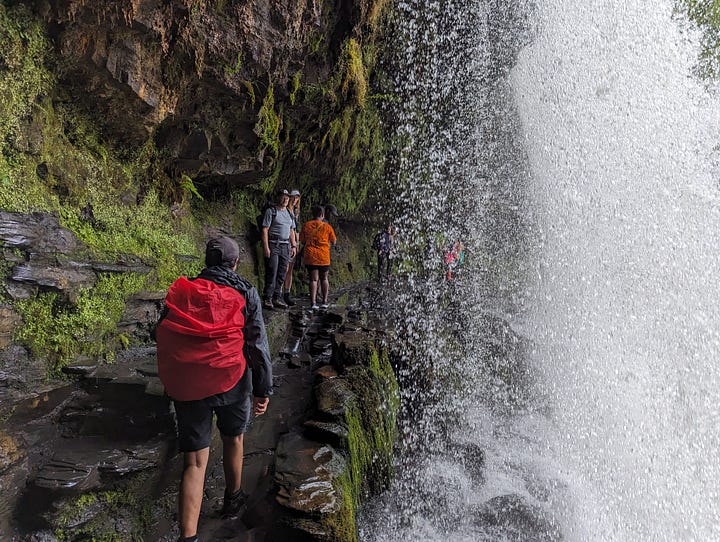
(58, 330)
(372, 430)
(94, 516)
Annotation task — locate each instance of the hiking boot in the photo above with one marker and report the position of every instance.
(189, 539)
(280, 303)
(267, 304)
(288, 300)
(233, 503)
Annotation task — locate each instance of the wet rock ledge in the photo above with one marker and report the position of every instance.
(96, 460)
(343, 450)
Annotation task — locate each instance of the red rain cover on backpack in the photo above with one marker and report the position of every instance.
(200, 341)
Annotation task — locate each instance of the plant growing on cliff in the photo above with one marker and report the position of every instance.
(188, 186)
(295, 86)
(706, 14)
(24, 80)
(58, 330)
(24, 76)
(354, 77)
(268, 125)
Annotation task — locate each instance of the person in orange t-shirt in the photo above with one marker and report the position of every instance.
(318, 235)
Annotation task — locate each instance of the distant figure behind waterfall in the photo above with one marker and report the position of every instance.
(453, 259)
(384, 244)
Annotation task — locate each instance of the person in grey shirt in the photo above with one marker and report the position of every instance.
(279, 245)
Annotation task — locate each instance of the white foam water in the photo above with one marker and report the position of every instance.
(589, 313)
(625, 314)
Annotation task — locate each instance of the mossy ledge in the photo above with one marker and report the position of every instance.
(344, 454)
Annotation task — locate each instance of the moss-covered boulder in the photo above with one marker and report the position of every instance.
(354, 430)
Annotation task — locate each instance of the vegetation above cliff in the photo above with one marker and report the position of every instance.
(706, 14)
(146, 127)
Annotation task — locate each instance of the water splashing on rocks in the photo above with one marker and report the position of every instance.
(565, 383)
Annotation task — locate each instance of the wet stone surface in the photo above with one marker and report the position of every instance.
(334, 397)
(114, 431)
(305, 474)
(514, 518)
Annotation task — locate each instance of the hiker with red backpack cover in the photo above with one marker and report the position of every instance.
(211, 332)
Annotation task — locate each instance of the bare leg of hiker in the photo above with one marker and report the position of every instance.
(313, 286)
(234, 498)
(191, 490)
(232, 462)
(324, 286)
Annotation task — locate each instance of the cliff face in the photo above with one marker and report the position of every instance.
(232, 92)
(139, 128)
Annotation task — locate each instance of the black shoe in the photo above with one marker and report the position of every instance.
(279, 303)
(288, 300)
(232, 504)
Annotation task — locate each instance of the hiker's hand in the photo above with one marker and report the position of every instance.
(293, 252)
(260, 405)
(267, 252)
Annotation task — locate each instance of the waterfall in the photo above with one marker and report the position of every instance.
(625, 316)
(567, 383)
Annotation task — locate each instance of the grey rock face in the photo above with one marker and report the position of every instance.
(334, 397)
(37, 231)
(305, 471)
(518, 520)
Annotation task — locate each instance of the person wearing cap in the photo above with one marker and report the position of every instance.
(318, 235)
(279, 245)
(210, 333)
(294, 208)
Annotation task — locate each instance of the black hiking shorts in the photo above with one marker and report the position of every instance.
(232, 409)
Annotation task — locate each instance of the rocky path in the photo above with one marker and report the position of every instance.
(96, 459)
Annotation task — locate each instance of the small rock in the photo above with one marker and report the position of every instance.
(62, 473)
(305, 472)
(334, 434)
(326, 371)
(148, 369)
(154, 387)
(10, 452)
(518, 519)
(83, 365)
(334, 396)
(9, 322)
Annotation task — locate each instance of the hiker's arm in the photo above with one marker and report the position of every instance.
(266, 242)
(266, 223)
(293, 243)
(256, 349)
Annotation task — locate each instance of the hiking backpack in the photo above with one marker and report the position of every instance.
(256, 235)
